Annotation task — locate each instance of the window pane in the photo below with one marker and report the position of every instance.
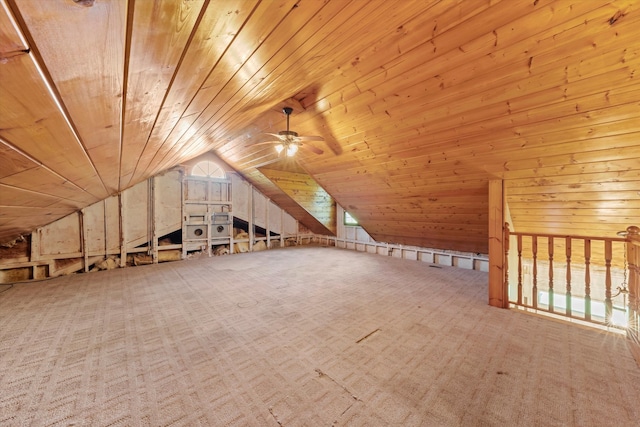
(208, 169)
(349, 220)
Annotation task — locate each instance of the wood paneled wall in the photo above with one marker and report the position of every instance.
(420, 103)
(307, 193)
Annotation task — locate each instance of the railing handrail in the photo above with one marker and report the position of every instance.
(565, 236)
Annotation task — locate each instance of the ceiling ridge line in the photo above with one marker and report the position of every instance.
(194, 139)
(196, 25)
(222, 55)
(230, 114)
(125, 85)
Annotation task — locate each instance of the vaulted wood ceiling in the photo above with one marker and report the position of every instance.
(421, 103)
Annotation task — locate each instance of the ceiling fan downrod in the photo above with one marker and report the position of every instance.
(287, 111)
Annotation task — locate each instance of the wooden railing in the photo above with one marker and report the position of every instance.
(633, 260)
(593, 279)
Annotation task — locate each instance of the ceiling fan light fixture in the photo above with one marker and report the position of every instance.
(289, 141)
(292, 149)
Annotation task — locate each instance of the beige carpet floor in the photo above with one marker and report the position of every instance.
(303, 336)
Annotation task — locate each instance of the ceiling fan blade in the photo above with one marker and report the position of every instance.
(311, 148)
(280, 137)
(268, 138)
(265, 163)
(310, 138)
(263, 143)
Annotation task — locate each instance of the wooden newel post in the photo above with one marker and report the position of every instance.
(507, 238)
(633, 261)
(498, 247)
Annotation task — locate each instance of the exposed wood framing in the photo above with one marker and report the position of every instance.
(123, 235)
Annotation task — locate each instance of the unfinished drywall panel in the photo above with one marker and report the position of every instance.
(112, 224)
(135, 201)
(275, 218)
(410, 254)
(93, 224)
(362, 235)
(396, 252)
(128, 225)
(350, 233)
(101, 227)
(442, 259)
(60, 238)
(195, 190)
(290, 225)
(219, 190)
(259, 209)
(462, 262)
(240, 195)
(481, 265)
(195, 209)
(167, 198)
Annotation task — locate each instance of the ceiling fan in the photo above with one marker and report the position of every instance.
(289, 141)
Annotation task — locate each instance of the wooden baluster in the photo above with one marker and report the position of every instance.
(608, 304)
(633, 261)
(587, 279)
(519, 237)
(567, 247)
(507, 236)
(551, 274)
(534, 249)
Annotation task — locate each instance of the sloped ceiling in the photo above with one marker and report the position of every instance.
(421, 103)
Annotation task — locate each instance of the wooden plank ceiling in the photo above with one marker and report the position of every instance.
(421, 103)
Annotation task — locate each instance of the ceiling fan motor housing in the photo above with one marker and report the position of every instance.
(288, 133)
